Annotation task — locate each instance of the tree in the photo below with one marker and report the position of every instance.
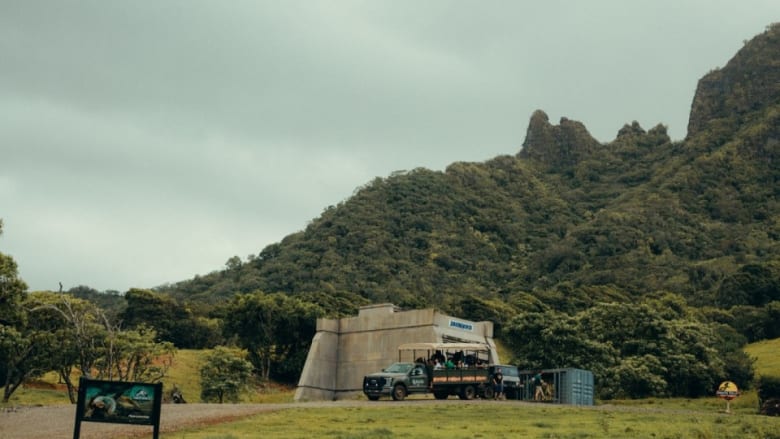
(635, 377)
(656, 347)
(23, 351)
(555, 340)
(12, 289)
(171, 321)
(223, 375)
(135, 355)
(233, 264)
(665, 337)
(753, 284)
(81, 328)
(275, 329)
(112, 302)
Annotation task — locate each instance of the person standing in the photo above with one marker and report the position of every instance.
(538, 383)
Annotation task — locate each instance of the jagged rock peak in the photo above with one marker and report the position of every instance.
(635, 135)
(632, 130)
(749, 82)
(556, 145)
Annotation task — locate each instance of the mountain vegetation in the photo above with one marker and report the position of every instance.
(567, 221)
(647, 260)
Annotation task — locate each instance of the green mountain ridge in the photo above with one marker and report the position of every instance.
(566, 222)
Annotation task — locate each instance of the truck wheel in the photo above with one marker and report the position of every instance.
(489, 393)
(373, 398)
(399, 392)
(441, 395)
(468, 392)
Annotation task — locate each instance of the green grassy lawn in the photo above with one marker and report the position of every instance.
(185, 373)
(490, 419)
(44, 391)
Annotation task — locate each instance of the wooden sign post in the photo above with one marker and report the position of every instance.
(728, 391)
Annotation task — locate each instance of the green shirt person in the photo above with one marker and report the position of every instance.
(538, 382)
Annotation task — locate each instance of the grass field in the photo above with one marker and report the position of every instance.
(490, 419)
(767, 355)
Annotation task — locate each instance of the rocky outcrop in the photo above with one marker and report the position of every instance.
(749, 82)
(557, 146)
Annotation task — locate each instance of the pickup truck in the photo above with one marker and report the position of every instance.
(467, 381)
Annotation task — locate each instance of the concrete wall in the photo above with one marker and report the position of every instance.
(344, 350)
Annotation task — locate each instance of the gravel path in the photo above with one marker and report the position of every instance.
(57, 422)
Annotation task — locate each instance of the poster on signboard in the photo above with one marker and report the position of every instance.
(119, 402)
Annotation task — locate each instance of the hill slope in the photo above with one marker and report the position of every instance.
(767, 356)
(566, 220)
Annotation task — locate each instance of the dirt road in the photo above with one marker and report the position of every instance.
(57, 422)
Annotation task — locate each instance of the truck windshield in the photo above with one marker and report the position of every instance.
(399, 368)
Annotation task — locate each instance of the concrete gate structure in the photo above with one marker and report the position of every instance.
(345, 350)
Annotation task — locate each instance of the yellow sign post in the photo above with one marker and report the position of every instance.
(728, 391)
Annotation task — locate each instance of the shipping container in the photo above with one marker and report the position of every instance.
(560, 386)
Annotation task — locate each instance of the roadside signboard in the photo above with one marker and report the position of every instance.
(727, 391)
(118, 402)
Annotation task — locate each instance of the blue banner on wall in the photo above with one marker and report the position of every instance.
(461, 325)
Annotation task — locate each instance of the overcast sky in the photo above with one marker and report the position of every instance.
(144, 142)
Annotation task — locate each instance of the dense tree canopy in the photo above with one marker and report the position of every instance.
(659, 347)
(171, 321)
(275, 329)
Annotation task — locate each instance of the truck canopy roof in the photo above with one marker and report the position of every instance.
(444, 347)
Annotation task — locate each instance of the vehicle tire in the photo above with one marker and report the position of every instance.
(489, 393)
(468, 392)
(399, 392)
(441, 395)
(373, 397)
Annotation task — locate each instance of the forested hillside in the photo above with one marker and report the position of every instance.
(566, 220)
